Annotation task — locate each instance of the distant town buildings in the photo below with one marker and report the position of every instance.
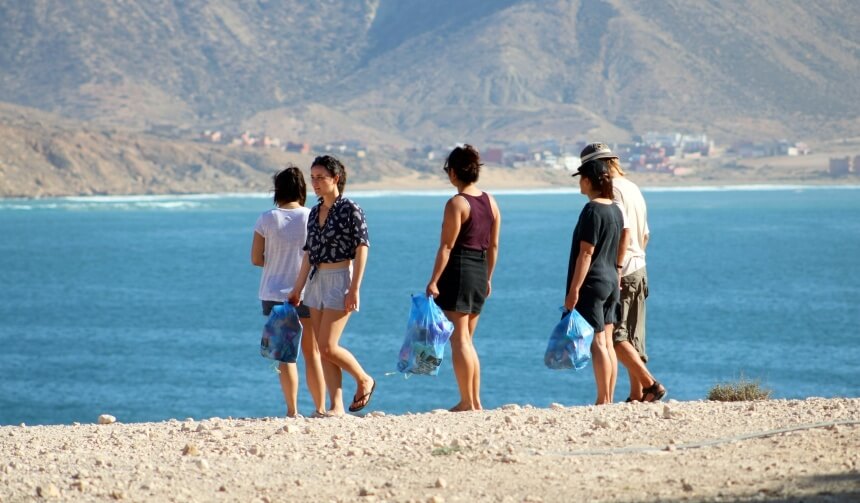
(844, 165)
(262, 140)
(658, 152)
(746, 150)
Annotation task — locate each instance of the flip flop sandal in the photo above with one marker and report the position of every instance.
(363, 399)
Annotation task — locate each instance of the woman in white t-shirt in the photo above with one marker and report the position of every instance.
(279, 239)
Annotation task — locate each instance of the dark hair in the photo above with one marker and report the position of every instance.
(598, 173)
(289, 186)
(466, 163)
(334, 168)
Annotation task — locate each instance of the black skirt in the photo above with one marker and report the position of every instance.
(463, 284)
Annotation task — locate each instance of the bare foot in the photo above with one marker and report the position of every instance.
(335, 413)
(461, 408)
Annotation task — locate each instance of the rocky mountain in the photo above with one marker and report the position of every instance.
(404, 72)
(44, 155)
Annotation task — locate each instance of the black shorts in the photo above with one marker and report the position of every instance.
(463, 284)
(598, 304)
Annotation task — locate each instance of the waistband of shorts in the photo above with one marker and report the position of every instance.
(467, 252)
(330, 272)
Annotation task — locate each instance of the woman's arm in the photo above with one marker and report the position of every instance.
(451, 222)
(493, 250)
(258, 250)
(352, 299)
(295, 296)
(583, 264)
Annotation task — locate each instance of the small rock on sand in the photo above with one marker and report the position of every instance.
(106, 419)
(190, 450)
(48, 491)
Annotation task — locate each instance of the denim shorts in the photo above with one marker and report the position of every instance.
(302, 309)
(327, 289)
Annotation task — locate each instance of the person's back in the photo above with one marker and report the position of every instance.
(285, 231)
(475, 231)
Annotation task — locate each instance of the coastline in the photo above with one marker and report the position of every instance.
(373, 190)
(769, 450)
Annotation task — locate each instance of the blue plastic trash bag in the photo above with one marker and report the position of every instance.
(282, 334)
(570, 343)
(427, 333)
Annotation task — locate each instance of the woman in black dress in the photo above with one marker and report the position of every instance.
(592, 277)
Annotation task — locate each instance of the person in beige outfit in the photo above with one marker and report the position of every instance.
(629, 330)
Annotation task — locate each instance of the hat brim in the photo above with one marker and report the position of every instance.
(607, 155)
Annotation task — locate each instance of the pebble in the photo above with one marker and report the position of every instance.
(202, 464)
(291, 428)
(602, 423)
(435, 499)
(201, 427)
(365, 491)
(510, 406)
(106, 419)
(556, 406)
(440, 483)
(667, 412)
(190, 450)
(49, 491)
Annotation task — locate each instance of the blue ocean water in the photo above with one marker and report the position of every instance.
(145, 307)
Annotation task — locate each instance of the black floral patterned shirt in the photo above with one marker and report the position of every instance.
(344, 231)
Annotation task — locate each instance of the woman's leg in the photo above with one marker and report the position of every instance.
(331, 372)
(289, 378)
(336, 358)
(313, 366)
(464, 359)
(476, 378)
(613, 360)
(602, 370)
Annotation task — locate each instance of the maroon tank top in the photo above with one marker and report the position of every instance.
(475, 231)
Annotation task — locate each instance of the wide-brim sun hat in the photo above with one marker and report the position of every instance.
(591, 152)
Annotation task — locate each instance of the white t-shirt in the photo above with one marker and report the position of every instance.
(629, 198)
(285, 231)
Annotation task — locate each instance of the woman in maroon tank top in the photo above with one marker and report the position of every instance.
(463, 272)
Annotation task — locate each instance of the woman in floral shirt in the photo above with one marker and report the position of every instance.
(333, 267)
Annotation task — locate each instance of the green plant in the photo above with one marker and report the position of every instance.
(742, 390)
(446, 450)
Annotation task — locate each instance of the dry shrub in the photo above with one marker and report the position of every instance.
(741, 391)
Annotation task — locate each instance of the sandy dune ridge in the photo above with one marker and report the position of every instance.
(781, 450)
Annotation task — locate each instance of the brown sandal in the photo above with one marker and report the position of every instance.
(656, 390)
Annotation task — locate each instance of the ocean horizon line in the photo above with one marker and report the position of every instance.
(142, 198)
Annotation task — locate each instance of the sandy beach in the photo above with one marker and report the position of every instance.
(776, 450)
